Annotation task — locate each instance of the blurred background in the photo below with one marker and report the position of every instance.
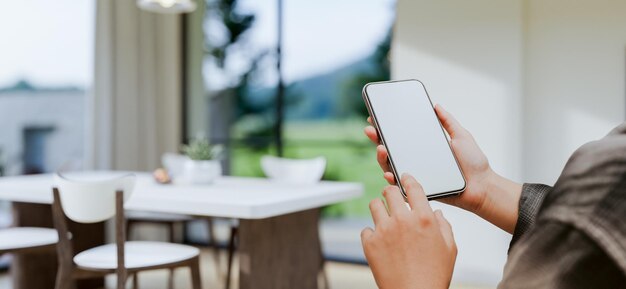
(99, 84)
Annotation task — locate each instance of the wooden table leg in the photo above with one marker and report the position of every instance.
(281, 252)
(44, 265)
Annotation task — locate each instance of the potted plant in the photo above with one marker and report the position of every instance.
(203, 166)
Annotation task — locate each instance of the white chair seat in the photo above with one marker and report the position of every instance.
(158, 217)
(18, 238)
(139, 254)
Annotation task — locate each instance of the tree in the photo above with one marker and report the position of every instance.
(353, 102)
(233, 25)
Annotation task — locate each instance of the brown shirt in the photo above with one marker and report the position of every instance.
(574, 234)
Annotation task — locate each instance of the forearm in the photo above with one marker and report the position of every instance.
(501, 204)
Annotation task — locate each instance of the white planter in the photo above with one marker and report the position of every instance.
(202, 172)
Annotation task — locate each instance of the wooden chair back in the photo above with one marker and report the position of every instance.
(100, 200)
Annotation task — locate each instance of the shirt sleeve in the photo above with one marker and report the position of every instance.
(557, 255)
(529, 203)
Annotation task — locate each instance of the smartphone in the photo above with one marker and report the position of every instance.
(416, 143)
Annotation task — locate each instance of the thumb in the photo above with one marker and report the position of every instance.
(449, 123)
(446, 229)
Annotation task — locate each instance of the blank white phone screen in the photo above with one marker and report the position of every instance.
(413, 136)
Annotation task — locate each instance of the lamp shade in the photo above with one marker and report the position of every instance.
(167, 6)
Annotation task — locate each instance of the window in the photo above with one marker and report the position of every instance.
(47, 49)
(330, 49)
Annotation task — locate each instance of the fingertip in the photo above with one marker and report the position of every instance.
(439, 109)
(389, 177)
(390, 189)
(366, 233)
(407, 178)
(381, 149)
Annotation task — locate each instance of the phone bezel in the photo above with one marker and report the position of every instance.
(389, 155)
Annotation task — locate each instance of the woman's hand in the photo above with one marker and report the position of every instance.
(409, 247)
(487, 194)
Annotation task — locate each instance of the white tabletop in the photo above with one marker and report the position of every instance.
(234, 197)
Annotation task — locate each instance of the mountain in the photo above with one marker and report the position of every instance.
(28, 87)
(324, 95)
(320, 96)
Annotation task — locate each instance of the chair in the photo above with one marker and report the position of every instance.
(98, 201)
(174, 165)
(27, 240)
(292, 171)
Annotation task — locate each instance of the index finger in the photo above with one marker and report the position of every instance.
(395, 201)
(415, 195)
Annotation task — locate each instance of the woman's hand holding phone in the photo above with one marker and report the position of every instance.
(487, 194)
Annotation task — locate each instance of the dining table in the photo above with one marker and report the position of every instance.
(278, 236)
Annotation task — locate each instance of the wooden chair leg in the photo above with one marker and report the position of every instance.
(231, 253)
(196, 280)
(136, 280)
(211, 232)
(171, 235)
(64, 279)
(121, 281)
(170, 279)
(214, 247)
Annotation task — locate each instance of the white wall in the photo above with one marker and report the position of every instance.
(468, 54)
(575, 79)
(531, 79)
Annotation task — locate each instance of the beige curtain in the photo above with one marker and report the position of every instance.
(136, 104)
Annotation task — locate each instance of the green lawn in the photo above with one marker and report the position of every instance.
(351, 157)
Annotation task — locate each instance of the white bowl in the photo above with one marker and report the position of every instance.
(294, 171)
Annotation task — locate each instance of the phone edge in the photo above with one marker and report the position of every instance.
(390, 159)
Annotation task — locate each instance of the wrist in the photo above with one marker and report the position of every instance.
(500, 202)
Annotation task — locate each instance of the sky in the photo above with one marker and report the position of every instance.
(322, 34)
(52, 42)
(318, 36)
(47, 42)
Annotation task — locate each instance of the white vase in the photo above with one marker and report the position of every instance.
(202, 172)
